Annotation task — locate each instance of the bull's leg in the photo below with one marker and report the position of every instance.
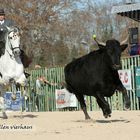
(83, 105)
(126, 99)
(103, 104)
(125, 96)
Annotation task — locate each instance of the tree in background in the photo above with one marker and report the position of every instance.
(54, 29)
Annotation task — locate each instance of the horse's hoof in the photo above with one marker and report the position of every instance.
(5, 116)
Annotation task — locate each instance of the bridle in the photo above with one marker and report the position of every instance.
(13, 55)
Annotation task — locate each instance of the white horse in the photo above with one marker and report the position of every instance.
(11, 67)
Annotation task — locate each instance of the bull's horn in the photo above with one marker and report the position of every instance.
(99, 42)
(124, 41)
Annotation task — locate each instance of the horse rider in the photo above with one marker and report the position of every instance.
(9, 23)
(3, 23)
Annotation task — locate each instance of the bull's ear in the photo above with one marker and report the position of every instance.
(123, 47)
(101, 46)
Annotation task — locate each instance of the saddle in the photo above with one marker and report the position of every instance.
(2, 48)
(2, 43)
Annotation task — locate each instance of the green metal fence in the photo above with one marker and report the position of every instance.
(45, 96)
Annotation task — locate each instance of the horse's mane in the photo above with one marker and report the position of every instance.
(2, 42)
(2, 35)
(26, 61)
(2, 48)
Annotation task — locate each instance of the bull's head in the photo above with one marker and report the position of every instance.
(113, 50)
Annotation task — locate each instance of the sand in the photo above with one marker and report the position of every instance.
(123, 125)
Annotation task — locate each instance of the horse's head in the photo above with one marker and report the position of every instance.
(13, 41)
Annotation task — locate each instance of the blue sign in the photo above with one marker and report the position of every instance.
(13, 104)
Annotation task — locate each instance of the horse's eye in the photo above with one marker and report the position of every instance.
(10, 37)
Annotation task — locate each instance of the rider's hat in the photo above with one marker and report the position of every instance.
(2, 13)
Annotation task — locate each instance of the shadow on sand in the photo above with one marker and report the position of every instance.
(25, 116)
(103, 121)
(113, 121)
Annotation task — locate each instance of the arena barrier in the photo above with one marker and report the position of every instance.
(44, 99)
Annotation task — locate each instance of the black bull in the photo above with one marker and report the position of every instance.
(96, 74)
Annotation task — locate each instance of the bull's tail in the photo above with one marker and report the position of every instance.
(69, 87)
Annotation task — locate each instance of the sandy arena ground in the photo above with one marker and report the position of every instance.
(123, 125)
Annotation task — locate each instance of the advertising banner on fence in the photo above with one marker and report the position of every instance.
(125, 77)
(12, 104)
(65, 99)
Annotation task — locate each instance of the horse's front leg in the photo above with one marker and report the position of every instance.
(3, 109)
(4, 115)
